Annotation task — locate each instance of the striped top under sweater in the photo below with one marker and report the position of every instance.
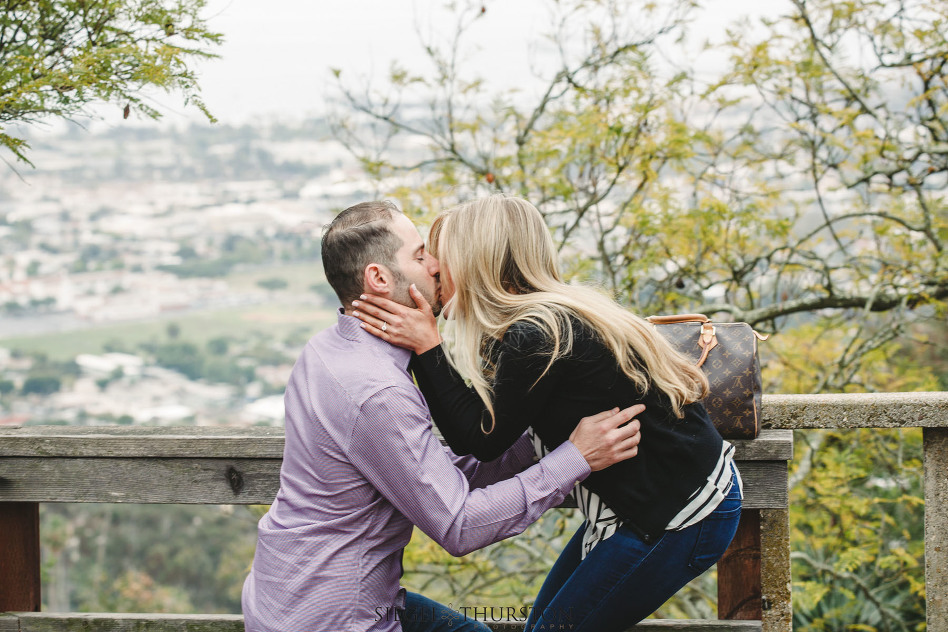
(602, 522)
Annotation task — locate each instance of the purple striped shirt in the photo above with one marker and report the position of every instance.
(360, 467)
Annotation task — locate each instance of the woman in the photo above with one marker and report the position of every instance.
(538, 353)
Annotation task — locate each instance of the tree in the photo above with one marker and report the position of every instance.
(218, 346)
(41, 385)
(858, 554)
(57, 57)
(184, 357)
(802, 189)
(795, 187)
(145, 558)
(273, 283)
(173, 330)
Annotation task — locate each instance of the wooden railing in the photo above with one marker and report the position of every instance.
(241, 466)
(928, 411)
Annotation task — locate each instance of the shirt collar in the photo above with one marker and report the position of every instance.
(350, 328)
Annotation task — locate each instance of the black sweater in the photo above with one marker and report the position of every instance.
(675, 455)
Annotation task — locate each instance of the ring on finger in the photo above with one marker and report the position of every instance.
(384, 326)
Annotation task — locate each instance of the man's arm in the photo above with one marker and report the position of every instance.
(394, 448)
(519, 457)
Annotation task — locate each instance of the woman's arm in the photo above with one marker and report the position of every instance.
(519, 394)
(519, 391)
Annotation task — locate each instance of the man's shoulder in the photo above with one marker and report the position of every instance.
(362, 370)
(338, 381)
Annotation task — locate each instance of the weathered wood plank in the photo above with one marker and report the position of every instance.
(143, 441)
(100, 622)
(19, 556)
(661, 625)
(696, 625)
(856, 410)
(765, 484)
(145, 480)
(229, 481)
(9, 623)
(225, 442)
(770, 445)
(935, 442)
(95, 622)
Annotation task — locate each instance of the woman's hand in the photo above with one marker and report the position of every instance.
(410, 328)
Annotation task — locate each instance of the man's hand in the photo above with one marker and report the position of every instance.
(602, 442)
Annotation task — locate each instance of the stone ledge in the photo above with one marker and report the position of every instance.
(856, 410)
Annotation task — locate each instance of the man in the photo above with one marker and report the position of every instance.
(361, 465)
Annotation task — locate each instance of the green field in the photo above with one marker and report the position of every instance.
(300, 277)
(274, 322)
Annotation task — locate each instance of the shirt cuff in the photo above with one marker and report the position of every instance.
(566, 464)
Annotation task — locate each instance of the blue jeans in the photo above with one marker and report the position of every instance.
(623, 580)
(424, 615)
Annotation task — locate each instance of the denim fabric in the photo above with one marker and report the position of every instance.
(623, 579)
(424, 615)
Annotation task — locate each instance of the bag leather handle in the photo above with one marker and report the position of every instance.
(707, 339)
(678, 318)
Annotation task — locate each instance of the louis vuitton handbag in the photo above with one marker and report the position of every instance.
(727, 353)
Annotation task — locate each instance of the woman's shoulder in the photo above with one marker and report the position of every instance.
(526, 332)
(534, 330)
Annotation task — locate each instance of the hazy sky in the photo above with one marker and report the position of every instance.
(277, 54)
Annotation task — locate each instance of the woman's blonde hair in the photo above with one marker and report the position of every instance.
(501, 258)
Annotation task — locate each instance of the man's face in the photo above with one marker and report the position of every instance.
(415, 265)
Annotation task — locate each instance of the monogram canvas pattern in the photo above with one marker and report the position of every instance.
(733, 371)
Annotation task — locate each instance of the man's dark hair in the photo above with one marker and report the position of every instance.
(358, 236)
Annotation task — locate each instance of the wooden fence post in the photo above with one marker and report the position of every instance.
(739, 571)
(19, 557)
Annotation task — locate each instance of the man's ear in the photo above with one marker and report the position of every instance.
(378, 280)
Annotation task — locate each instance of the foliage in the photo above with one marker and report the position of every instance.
(145, 558)
(509, 574)
(201, 268)
(192, 361)
(34, 306)
(856, 509)
(783, 192)
(273, 283)
(183, 357)
(497, 575)
(60, 56)
(236, 250)
(858, 556)
(802, 190)
(218, 346)
(116, 374)
(225, 371)
(41, 385)
(811, 358)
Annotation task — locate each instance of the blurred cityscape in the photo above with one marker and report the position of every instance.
(154, 275)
